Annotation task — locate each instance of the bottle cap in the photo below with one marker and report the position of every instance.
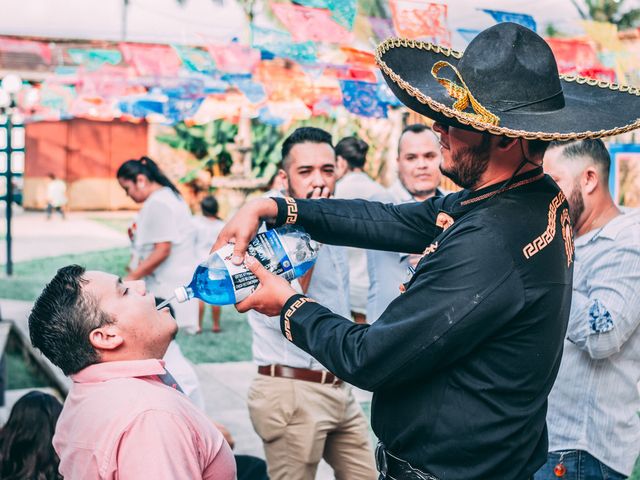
(181, 294)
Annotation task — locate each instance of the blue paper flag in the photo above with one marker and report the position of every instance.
(265, 116)
(281, 44)
(252, 90)
(468, 34)
(519, 18)
(362, 99)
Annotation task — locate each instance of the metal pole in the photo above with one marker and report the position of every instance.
(123, 26)
(9, 197)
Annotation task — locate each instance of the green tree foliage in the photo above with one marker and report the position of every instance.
(611, 11)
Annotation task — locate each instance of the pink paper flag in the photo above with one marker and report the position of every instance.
(40, 49)
(151, 60)
(234, 58)
(419, 19)
(314, 24)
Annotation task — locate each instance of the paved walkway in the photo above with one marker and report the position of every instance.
(36, 237)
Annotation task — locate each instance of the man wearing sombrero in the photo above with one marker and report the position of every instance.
(462, 362)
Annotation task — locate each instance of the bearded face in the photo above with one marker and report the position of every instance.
(468, 163)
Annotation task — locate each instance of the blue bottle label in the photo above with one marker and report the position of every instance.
(267, 248)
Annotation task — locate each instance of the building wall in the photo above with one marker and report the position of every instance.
(84, 153)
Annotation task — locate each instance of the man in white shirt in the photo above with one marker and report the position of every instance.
(592, 418)
(419, 158)
(351, 155)
(56, 196)
(302, 412)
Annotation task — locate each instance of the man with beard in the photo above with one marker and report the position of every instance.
(302, 412)
(593, 408)
(462, 362)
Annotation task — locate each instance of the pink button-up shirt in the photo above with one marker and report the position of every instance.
(120, 421)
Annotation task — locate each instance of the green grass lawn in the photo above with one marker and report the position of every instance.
(31, 276)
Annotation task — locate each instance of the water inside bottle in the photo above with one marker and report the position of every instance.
(213, 285)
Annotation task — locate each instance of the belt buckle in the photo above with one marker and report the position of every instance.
(381, 459)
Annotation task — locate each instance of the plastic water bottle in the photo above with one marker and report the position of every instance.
(287, 251)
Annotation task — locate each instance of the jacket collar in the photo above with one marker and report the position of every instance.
(473, 197)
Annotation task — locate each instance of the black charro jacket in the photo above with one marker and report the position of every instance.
(462, 362)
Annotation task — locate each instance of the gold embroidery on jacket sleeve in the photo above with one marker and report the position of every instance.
(290, 311)
(292, 210)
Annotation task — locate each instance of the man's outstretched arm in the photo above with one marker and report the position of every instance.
(358, 223)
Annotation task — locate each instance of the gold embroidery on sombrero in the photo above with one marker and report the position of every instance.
(547, 236)
(463, 95)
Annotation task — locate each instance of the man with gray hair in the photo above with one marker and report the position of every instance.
(592, 418)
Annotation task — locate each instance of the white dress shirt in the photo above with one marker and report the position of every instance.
(595, 402)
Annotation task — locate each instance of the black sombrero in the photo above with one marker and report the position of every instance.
(507, 83)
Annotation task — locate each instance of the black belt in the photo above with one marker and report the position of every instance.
(394, 468)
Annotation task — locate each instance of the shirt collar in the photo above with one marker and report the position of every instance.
(612, 229)
(102, 372)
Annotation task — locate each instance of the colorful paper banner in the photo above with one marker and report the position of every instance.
(93, 58)
(252, 90)
(310, 24)
(40, 49)
(195, 59)
(234, 58)
(573, 54)
(382, 28)
(361, 98)
(281, 44)
(151, 60)
(344, 11)
(418, 19)
(520, 18)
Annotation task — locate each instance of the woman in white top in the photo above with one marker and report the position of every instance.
(163, 250)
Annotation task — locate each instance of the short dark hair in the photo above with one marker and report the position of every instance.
(62, 318)
(415, 128)
(209, 206)
(595, 149)
(537, 148)
(353, 150)
(303, 135)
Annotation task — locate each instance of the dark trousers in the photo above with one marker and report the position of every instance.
(51, 208)
(251, 468)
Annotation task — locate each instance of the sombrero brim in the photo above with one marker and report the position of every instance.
(593, 108)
